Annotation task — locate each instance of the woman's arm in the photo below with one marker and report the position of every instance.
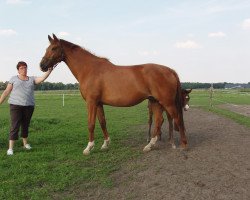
(43, 78)
(6, 92)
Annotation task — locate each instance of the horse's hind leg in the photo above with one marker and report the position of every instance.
(171, 138)
(158, 119)
(150, 121)
(102, 121)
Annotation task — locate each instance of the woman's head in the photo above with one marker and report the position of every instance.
(22, 68)
(21, 63)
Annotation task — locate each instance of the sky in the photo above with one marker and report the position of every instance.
(203, 41)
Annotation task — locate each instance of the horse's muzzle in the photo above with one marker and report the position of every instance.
(186, 107)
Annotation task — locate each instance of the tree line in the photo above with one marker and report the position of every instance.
(49, 86)
(190, 85)
(75, 86)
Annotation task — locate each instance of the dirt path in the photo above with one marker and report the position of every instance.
(240, 109)
(216, 166)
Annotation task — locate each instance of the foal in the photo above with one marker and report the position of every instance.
(157, 110)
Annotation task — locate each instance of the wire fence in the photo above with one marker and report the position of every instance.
(199, 98)
(215, 97)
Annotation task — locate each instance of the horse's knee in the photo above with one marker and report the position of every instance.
(91, 127)
(103, 124)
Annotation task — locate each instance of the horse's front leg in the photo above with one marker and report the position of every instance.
(102, 121)
(92, 109)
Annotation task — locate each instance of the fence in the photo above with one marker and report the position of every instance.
(199, 98)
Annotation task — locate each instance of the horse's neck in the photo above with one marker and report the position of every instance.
(78, 62)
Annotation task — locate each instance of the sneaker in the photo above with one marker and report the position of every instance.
(27, 146)
(10, 152)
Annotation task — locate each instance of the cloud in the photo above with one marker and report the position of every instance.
(63, 33)
(246, 24)
(7, 32)
(189, 44)
(217, 34)
(16, 2)
(219, 7)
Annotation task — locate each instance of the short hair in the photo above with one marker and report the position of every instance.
(21, 63)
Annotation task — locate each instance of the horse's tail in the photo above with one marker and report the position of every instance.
(179, 102)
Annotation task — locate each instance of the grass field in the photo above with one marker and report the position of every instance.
(58, 135)
(201, 98)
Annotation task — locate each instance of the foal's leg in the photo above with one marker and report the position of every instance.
(102, 121)
(92, 109)
(158, 119)
(174, 114)
(158, 112)
(170, 127)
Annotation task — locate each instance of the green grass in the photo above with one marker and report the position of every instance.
(201, 98)
(58, 135)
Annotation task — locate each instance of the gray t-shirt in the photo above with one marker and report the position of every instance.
(22, 93)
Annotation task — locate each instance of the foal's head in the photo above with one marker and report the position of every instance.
(185, 98)
(53, 55)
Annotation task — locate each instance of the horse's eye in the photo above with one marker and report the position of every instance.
(54, 48)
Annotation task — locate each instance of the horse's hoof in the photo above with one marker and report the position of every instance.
(86, 152)
(147, 149)
(104, 147)
(106, 144)
(184, 147)
(173, 146)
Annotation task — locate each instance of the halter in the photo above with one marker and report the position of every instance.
(62, 56)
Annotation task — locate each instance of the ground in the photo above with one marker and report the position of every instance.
(216, 165)
(240, 109)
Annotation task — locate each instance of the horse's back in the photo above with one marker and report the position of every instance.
(159, 76)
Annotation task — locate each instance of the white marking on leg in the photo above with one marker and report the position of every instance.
(171, 141)
(173, 146)
(105, 144)
(150, 144)
(89, 148)
(153, 140)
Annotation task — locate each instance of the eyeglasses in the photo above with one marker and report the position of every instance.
(23, 67)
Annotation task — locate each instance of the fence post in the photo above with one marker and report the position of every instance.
(63, 99)
(211, 91)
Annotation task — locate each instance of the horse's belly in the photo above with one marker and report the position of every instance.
(124, 100)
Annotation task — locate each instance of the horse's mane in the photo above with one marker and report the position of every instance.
(73, 47)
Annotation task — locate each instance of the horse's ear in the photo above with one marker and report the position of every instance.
(55, 38)
(50, 39)
(188, 91)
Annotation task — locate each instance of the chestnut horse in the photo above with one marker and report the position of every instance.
(103, 83)
(156, 110)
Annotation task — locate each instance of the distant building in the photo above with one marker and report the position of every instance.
(237, 85)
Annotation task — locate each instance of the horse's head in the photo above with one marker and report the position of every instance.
(53, 55)
(185, 98)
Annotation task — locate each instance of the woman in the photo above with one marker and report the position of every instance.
(21, 100)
